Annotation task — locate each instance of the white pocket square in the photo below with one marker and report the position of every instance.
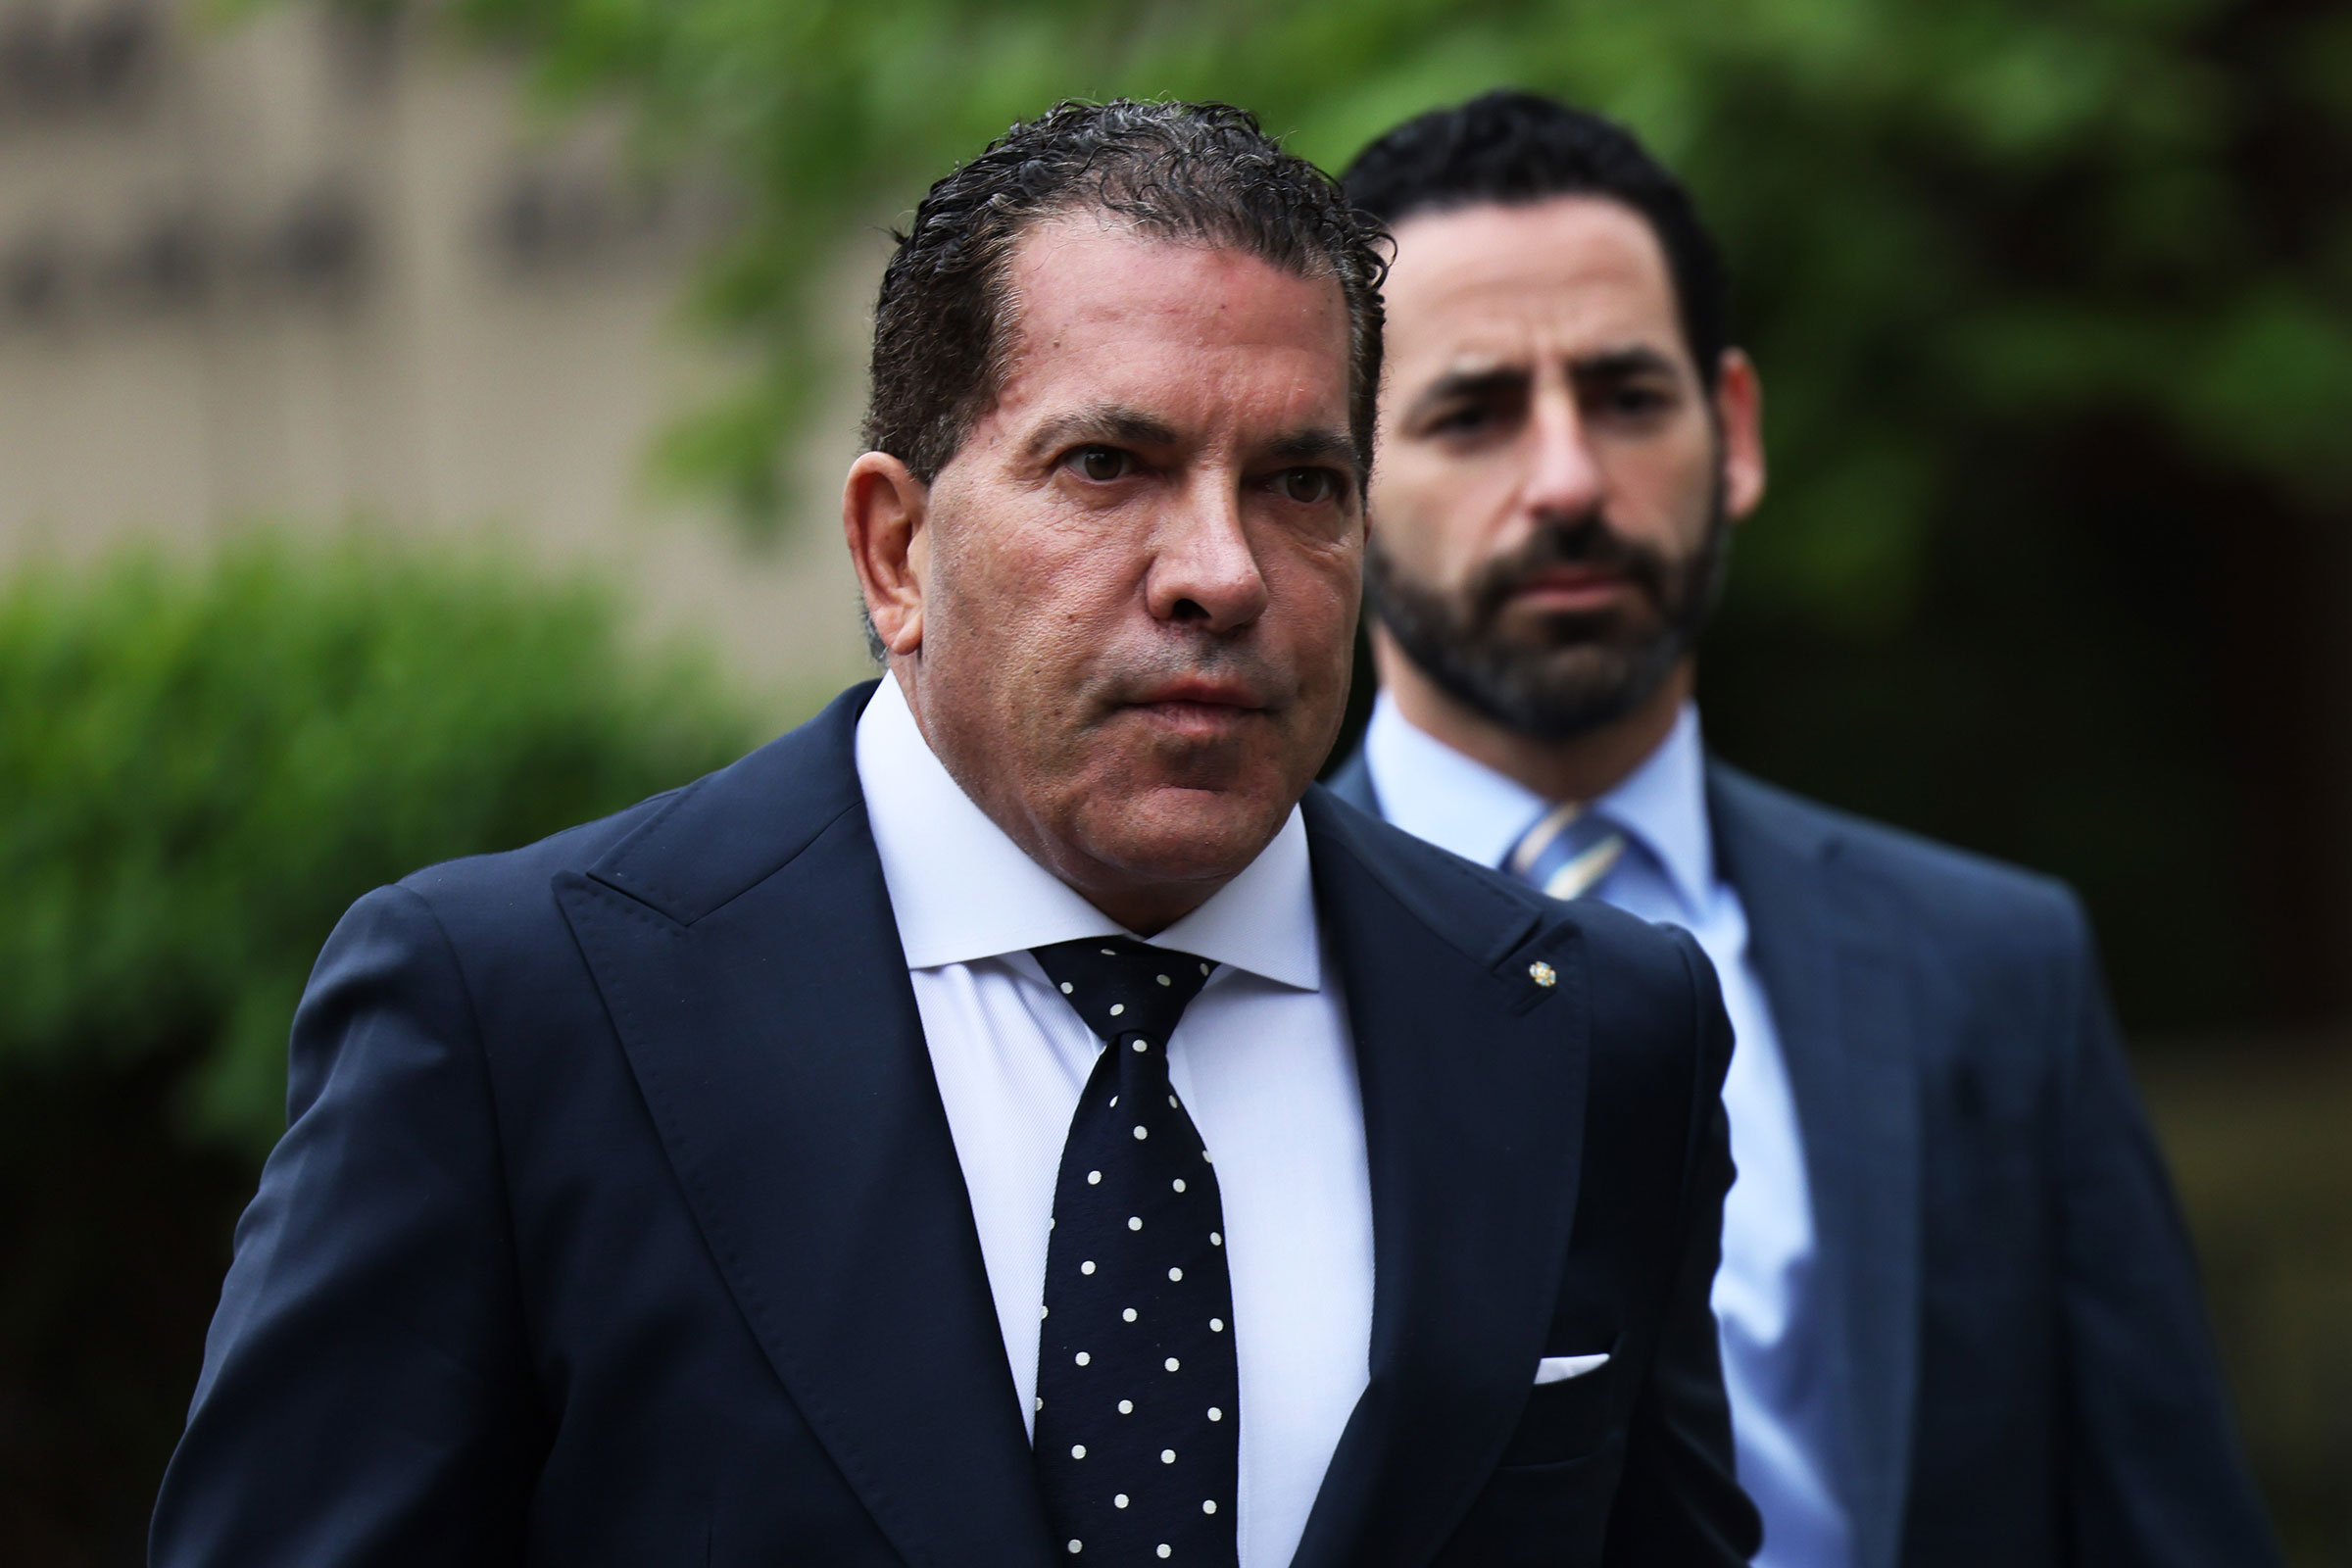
(1560, 1368)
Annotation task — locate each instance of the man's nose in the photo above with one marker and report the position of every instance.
(1204, 570)
(1563, 477)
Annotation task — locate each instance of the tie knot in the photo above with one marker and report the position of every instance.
(1123, 987)
(1567, 852)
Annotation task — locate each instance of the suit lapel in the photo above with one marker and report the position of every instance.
(744, 945)
(1474, 1093)
(1843, 1002)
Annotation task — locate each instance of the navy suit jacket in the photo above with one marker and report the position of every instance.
(2025, 1379)
(618, 1222)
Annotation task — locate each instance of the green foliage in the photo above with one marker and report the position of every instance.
(203, 766)
(2050, 301)
(1997, 205)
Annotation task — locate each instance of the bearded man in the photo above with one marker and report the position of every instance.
(1960, 1323)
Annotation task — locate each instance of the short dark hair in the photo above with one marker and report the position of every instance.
(1518, 148)
(1195, 173)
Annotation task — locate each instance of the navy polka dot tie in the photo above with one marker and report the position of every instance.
(1138, 1391)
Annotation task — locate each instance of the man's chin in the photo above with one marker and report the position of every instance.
(1556, 693)
(1531, 631)
(1574, 672)
(1178, 833)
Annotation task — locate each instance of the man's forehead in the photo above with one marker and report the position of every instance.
(1182, 332)
(1090, 270)
(1499, 285)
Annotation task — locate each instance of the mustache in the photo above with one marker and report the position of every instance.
(1138, 674)
(1583, 540)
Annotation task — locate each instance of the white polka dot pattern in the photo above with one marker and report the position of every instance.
(1136, 1373)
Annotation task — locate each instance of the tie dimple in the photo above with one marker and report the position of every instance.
(1138, 1389)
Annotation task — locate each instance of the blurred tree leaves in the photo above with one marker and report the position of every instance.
(2027, 207)
(2053, 299)
(203, 766)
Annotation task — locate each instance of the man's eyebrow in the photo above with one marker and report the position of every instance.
(1480, 382)
(1469, 385)
(1314, 444)
(1109, 424)
(1618, 363)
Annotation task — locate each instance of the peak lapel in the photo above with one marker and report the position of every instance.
(745, 947)
(1474, 1093)
(1843, 1003)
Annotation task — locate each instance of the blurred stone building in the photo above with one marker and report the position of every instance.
(314, 271)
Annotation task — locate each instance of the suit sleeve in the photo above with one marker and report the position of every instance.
(364, 1399)
(1678, 1500)
(2154, 1473)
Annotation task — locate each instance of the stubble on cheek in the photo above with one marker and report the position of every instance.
(1024, 680)
(1040, 670)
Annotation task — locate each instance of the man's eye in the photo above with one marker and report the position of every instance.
(1102, 464)
(1464, 420)
(1309, 486)
(1636, 400)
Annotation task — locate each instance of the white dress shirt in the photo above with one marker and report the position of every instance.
(1262, 1061)
(1773, 1361)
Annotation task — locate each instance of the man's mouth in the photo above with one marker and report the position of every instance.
(1569, 590)
(1202, 707)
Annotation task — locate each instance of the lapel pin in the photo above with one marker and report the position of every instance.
(1543, 974)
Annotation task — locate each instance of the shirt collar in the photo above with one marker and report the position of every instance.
(1663, 803)
(1439, 795)
(961, 890)
(1436, 793)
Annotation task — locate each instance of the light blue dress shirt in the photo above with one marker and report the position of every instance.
(1775, 1363)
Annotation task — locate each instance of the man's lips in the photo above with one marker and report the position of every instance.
(1571, 588)
(1199, 693)
(1203, 708)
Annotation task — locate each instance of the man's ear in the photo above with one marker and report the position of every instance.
(1739, 417)
(884, 510)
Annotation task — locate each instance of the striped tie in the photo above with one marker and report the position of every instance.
(1566, 864)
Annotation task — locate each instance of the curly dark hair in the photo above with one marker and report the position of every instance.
(1194, 172)
(1516, 148)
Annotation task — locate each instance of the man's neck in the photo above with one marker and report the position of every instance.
(1581, 767)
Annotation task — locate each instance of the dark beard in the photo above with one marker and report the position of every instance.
(1579, 673)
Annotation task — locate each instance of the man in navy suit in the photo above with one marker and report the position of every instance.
(1012, 1118)
(1960, 1322)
